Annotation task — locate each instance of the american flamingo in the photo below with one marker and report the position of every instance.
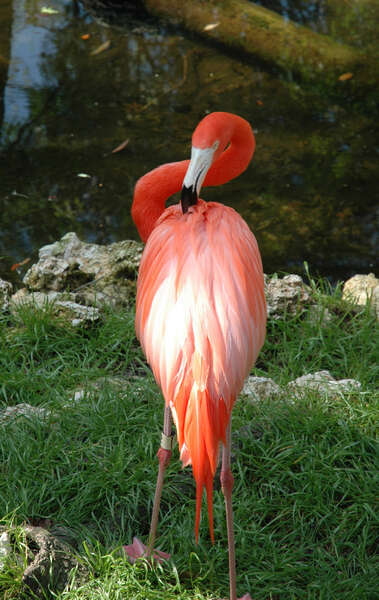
(200, 310)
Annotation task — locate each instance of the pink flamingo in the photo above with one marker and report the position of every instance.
(200, 312)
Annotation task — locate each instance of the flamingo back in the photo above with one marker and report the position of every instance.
(200, 318)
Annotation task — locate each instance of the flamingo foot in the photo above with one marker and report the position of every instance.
(139, 550)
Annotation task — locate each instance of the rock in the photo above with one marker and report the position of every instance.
(362, 289)
(5, 294)
(50, 273)
(38, 299)
(76, 398)
(260, 388)
(23, 410)
(323, 383)
(320, 315)
(61, 303)
(92, 273)
(51, 565)
(83, 315)
(118, 384)
(5, 548)
(287, 295)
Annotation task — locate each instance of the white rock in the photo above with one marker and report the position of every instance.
(5, 294)
(260, 388)
(23, 410)
(83, 314)
(320, 315)
(38, 299)
(77, 397)
(61, 302)
(5, 548)
(362, 289)
(323, 383)
(287, 295)
(92, 272)
(346, 385)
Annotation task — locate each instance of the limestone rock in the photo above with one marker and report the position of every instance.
(62, 304)
(5, 294)
(38, 299)
(323, 383)
(320, 315)
(119, 384)
(82, 315)
(5, 548)
(361, 289)
(51, 565)
(92, 273)
(287, 295)
(23, 410)
(260, 388)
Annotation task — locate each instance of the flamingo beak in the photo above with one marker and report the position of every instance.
(201, 160)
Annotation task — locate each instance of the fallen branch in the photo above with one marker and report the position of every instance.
(257, 31)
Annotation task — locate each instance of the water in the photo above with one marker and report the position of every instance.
(309, 195)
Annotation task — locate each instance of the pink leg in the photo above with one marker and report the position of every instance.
(138, 549)
(164, 456)
(227, 481)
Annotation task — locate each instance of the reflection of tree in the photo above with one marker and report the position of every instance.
(6, 21)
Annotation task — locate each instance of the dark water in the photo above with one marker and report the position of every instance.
(311, 193)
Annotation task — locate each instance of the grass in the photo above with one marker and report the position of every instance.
(304, 469)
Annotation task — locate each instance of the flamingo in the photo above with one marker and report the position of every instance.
(200, 310)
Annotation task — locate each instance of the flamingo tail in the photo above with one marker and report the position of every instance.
(201, 427)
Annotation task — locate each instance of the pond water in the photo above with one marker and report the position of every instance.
(74, 87)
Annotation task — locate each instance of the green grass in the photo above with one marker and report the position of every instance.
(305, 469)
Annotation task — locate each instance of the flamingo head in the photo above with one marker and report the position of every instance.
(222, 144)
(209, 140)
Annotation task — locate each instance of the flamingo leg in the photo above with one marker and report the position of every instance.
(164, 456)
(227, 481)
(138, 549)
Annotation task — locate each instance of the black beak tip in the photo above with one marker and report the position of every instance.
(188, 198)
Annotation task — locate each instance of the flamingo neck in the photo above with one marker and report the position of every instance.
(151, 192)
(154, 188)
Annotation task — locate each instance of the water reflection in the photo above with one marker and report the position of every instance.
(350, 22)
(310, 193)
(32, 43)
(311, 14)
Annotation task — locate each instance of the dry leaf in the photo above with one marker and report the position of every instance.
(121, 146)
(345, 77)
(211, 26)
(101, 48)
(259, 102)
(20, 264)
(85, 36)
(46, 10)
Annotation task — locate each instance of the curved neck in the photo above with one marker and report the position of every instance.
(151, 193)
(154, 188)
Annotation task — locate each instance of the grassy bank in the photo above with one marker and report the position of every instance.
(304, 468)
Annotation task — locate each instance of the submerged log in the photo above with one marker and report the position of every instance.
(257, 31)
